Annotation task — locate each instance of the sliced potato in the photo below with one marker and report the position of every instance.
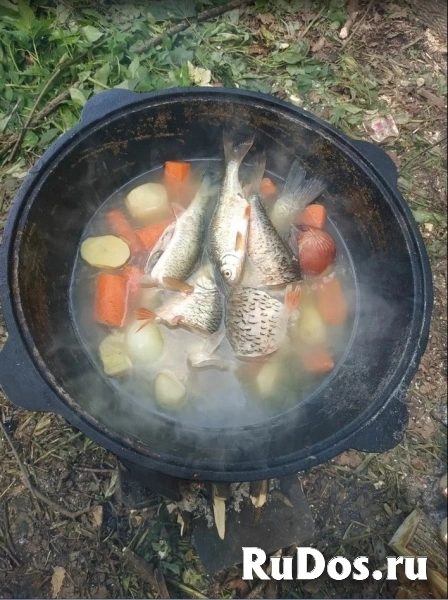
(148, 203)
(170, 391)
(310, 328)
(269, 378)
(144, 344)
(113, 355)
(105, 251)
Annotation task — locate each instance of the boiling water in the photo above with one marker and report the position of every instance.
(240, 393)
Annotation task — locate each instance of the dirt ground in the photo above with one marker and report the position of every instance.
(357, 501)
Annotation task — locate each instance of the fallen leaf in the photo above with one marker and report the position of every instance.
(97, 516)
(239, 585)
(57, 581)
(318, 45)
(198, 75)
(417, 463)
(266, 18)
(351, 458)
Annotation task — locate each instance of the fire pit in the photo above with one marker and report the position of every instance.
(44, 367)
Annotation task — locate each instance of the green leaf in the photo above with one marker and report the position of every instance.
(26, 14)
(30, 139)
(7, 13)
(133, 67)
(291, 57)
(161, 10)
(102, 74)
(77, 96)
(92, 34)
(47, 137)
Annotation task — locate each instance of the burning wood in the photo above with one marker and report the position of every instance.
(220, 493)
(259, 492)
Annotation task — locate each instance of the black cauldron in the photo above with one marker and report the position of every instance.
(43, 366)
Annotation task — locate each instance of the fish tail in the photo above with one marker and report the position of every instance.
(144, 314)
(259, 168)
(175, 285)
(236, 151)
(292, 297)
(300, 189)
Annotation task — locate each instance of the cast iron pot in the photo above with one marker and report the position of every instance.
(43, 366)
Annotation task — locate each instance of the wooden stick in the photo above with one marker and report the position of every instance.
(33, 490)
(206, 15)
(147, 572)
(419, 536)
(358, 24)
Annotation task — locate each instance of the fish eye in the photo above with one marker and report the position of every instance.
(227, 273)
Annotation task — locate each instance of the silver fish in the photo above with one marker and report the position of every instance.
(256, 323)
(199, 311)
(180, 247)
(229, 226)
(297, 193)
(272, 259)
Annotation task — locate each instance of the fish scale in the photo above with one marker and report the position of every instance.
(256, 323)
(179, 250)
(274, 263)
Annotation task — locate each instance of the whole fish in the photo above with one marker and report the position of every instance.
(297, 193)
(256, 323)
(199, 311)
(272, 259)
(229, 226)
(177, 252)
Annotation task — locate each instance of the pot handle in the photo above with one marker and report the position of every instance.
(385, 430)
(21, 381)
(106, 102)
(379, 159)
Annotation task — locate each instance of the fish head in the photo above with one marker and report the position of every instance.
(231, 267)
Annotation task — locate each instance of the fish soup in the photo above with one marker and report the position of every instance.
(163, 325)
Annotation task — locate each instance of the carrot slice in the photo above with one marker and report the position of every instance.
(314, 215)
(150, 235)
(317, 360)
(331, 302)
(268, 187)
(123, 229)
(177, 170)
(177, 182)
(111, 298)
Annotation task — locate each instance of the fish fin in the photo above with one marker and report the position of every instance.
(292, 240)
(292, 297)
(247, 212)
(176, 285)
(146, 281)
(300, 190)
(239, 242)
(236, 151)
(177, 209)
(144, 314)
(258, 171)
(247, 190)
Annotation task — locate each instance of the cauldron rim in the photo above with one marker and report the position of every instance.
(17, 327)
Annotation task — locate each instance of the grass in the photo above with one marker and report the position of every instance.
(289, 49)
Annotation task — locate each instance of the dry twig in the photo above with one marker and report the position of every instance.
(353, 10)
(206, 15)
(33, 490)
(358, 25)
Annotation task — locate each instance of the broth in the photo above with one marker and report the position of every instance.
(245, 392)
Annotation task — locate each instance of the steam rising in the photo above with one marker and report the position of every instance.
(216, 398)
